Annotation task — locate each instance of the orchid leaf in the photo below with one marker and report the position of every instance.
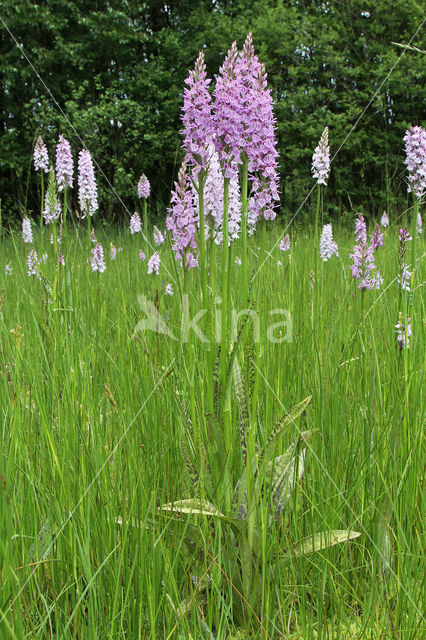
(321, 541)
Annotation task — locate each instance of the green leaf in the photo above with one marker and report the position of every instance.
(268, 450)
(242, 408)
(323, 540)
(193, 506)
(283, 478)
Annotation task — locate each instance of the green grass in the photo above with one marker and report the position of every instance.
(91, 419)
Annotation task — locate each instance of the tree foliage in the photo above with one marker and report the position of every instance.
(109, 75)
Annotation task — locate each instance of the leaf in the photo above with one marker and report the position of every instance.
(242, 408)
(323, 540)
(193, 506)
(283, 480)
(216, 383)
(42, 546)
(287, 420)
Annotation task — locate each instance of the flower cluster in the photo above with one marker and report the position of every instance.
(360, 229)
(364, 268)
(182, 219)
(33, 263)
(258, 141)
(52, 206)
(415, 150)
(403, 331)
(419, 224)
(154, 263)
(142, 256)
(87, 190)
(41, 157)
(197, 117)
(404, 235)
(328, 247)
(405, 278)
(135, 223)
(8, 270)
(384, 221)
(285, 243)
(321, 159)
(144, 188)
(169, 289)
(27, 233)
(158, 237)
(64, 164)
(377, 238)
(97, 260)
(227, 111)
(213, 201)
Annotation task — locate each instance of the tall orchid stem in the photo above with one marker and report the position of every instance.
(89, 231)
(145, 219)
(315, 284)
(244, 213)
(201, 182)
(225, 276)
(224, 343)
(42, 199)
(414, 236)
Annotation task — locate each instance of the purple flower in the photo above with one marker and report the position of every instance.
(258, 141)
(419, 224)
(377, 238)
(328, 247)
(403, 333)
(158, 237)
(52, 206)
(97, 261)
(364, 265)
(144, 188)
(404, 278)
(154, 263)
(8, 270)
(384, 221)
(142, 256)
(64, 164)
(41, 157)
(213, 201)
(135, 223)
(113, 252)
(285, 243)
(181, 220)
(87, 190)
(415, 150)
(360, 229)
(27, 233)
(238, 261)
(197, 117)
(49, 214)
(404, 235)
(227, 113)
(33, 262)
(321, 159)
(169, 289)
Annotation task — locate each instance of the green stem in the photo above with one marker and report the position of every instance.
(203, 265)
(145, 219)
(225, 346)
(414, 236)
(244, 213)
(42, 199)
(225, 273)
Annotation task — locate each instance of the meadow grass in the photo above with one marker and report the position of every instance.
(92, 415)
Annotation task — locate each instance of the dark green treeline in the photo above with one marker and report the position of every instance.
(113, 72)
